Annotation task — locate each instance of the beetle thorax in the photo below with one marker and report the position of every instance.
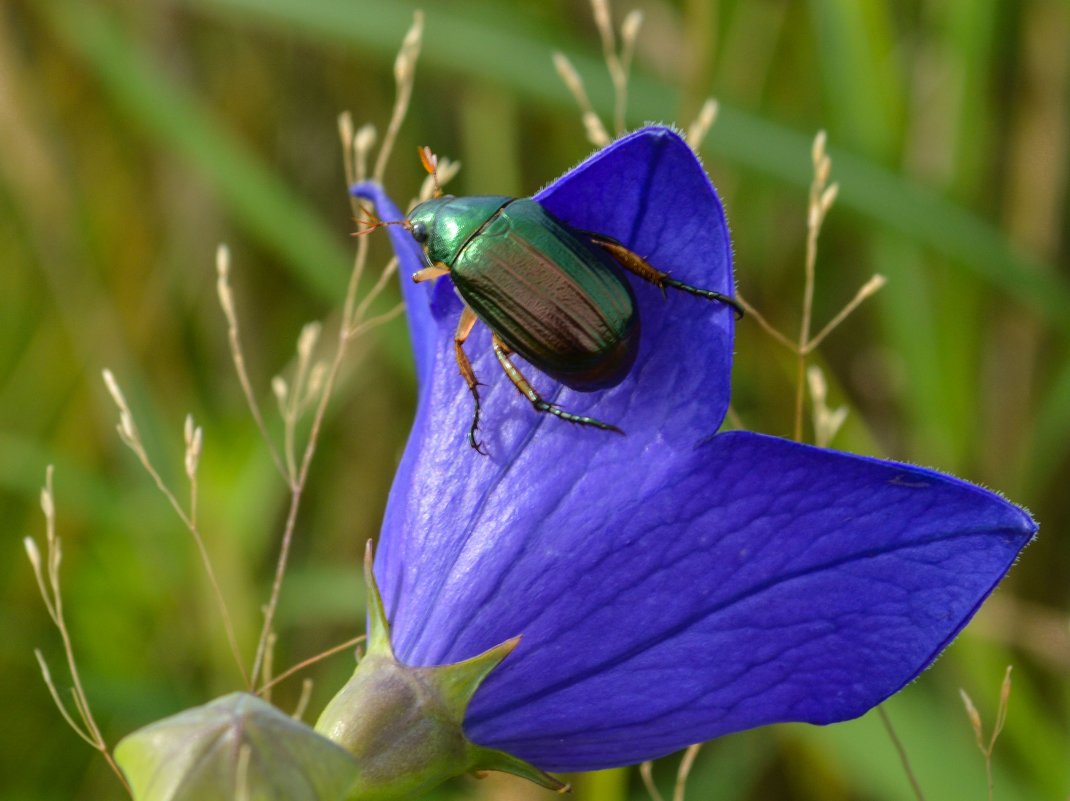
(451, 222)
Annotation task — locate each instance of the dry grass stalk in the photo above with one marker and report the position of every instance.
(131, 437)
(352, 322)
(904, 760)
(989, 747)
(822, 196)
(46, 572)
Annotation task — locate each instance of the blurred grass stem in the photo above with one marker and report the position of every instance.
(404, 73)
(903, 758)
(618, 63)
(302, 701)
(597, 134)
(351, 643)
(646, 773)
(52, 596)
(988, 748)
(821, 199)
(352, 322)
(822, 196)
(707, 116)
(686, 763)
(131, 437)
(226, 301)
(683, 770)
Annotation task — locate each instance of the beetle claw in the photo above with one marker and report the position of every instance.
(473, 440)
(477, 446)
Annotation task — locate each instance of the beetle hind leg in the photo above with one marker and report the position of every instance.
(502, 351)
(637, 265)
(464, 328)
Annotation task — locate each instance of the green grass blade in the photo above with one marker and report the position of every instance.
(863, 90)
(259, 199)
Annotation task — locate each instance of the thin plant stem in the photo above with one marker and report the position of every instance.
(865, 291)
(604, 23)
(684, 771)
(355, 149)
(303, 699)
(52, 596)
(62, 707)
(375, 322)
(753, 314)
(646, 772)
(404, 72)
(707, 115)
(618, 71)
(226, 301)
(276, 584)
(380, 285)
(987, 749)
(629, 34)
(193, 498)
(903, 758)
(820, 201)
(404, 67)
(351, 643)
(813, 227)
(825, 420)
(592, 125)
(130, 436)
(291, 399)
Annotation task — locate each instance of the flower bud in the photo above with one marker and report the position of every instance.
(236, 747)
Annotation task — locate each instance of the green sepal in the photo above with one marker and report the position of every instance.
(483, 759)
(236, 747)
(457, 683)
(405, 724)
(377, 640)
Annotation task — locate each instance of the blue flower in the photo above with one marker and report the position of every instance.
(670, 585)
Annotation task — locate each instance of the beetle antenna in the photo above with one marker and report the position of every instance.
(369, 222)
(430, 162)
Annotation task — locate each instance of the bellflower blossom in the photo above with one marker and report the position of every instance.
(669, 585)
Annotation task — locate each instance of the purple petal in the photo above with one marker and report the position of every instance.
(668, 601)
(649, 191)
(667, 592)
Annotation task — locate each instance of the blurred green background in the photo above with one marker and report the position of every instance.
(135, 135)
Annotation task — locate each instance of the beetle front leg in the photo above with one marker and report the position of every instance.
(464, 328)
(637, 265)
(429, 273)
(502, 351)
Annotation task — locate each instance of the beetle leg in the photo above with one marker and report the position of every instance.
(429, 273)
(464, 328)
(502, 351)
(637, 265)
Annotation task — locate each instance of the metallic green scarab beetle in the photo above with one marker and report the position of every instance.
(549, 292)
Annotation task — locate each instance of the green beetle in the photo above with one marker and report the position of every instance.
(549, 292)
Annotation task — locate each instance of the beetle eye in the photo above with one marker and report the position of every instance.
(419, 232)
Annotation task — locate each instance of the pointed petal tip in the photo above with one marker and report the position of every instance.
(365, 189)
